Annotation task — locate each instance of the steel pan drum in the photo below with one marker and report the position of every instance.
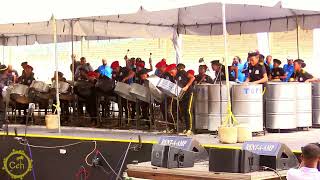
(281, 105)
(201, 106)
(83, 88)
(19, 93)
(40, 86)
(123, 90)
(304, 105)
(247, 105)
(171, 89)
(316, 103)
(141, 92)
(156, 94)
(63, 86)
(218, 103)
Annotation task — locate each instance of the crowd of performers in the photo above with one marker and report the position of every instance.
(90, 84)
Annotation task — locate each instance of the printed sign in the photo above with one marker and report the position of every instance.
(180, 142)
(262, 148)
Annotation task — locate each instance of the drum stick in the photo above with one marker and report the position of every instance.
(127, 51)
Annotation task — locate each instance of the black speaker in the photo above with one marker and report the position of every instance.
(249, 162)
(159, 155)
(224, 160)
(185, 143)
(233, 160)
(272, 154)
(171, 157)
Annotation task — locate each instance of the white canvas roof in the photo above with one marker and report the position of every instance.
(97, 19)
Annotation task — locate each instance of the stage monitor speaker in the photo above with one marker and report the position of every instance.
(159, 155)
(185, 143)
(249, 162)
(171, 157)
(272, 154)
(224, 160)
(233, 161)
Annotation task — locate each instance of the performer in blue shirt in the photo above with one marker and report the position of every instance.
(237, 62)
(105, 70)
(288, 68)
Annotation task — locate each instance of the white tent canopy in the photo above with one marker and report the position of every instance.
(153, 19)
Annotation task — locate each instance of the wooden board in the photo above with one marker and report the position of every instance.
(199, 171)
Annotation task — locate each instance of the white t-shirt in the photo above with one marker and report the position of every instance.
(303, 173)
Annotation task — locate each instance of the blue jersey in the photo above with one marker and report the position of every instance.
(241, 76)
(105, 70)
(289, 69)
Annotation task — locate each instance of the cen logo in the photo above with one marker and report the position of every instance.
(17, 164)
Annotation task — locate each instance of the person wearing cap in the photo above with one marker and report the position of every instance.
(256, 71)
(301, 75)
(60, 77)
(237, 63)
(181, 67)
(277, 73)
(27, 77)
(104, 69)
(288, 68)
(4, 81)
(140, 65)
(220, 71)
(143, 106)
(23, 65)
(202, 77)
(185, 81)
(160, 68)
(308, 169)
(123, 74)
(84, 65)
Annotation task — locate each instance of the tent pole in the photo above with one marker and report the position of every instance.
(3, 48)
(81, 53)
(224, 25)
(54, 25)
(297, 31)
(72, 53)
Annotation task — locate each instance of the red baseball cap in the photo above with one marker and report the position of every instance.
(115, 64)
(93, 74)
(161, 64)
(170, 67)
(191, 72)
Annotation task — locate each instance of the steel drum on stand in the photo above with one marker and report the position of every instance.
(304, 105)
(247, 105)
(281, 105)
(201, 106)
(141, 92)
(123, 90)
(218, 104)
(316, 104)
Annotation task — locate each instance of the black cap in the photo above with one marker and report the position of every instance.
(3, 68)
(301, 62)
(277, 61)
(216, 62)
(253, 53)
(24, 63)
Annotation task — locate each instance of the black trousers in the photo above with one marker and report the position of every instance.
(2, 111)
(186, 110)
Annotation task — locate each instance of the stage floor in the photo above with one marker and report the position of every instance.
(294, 140)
